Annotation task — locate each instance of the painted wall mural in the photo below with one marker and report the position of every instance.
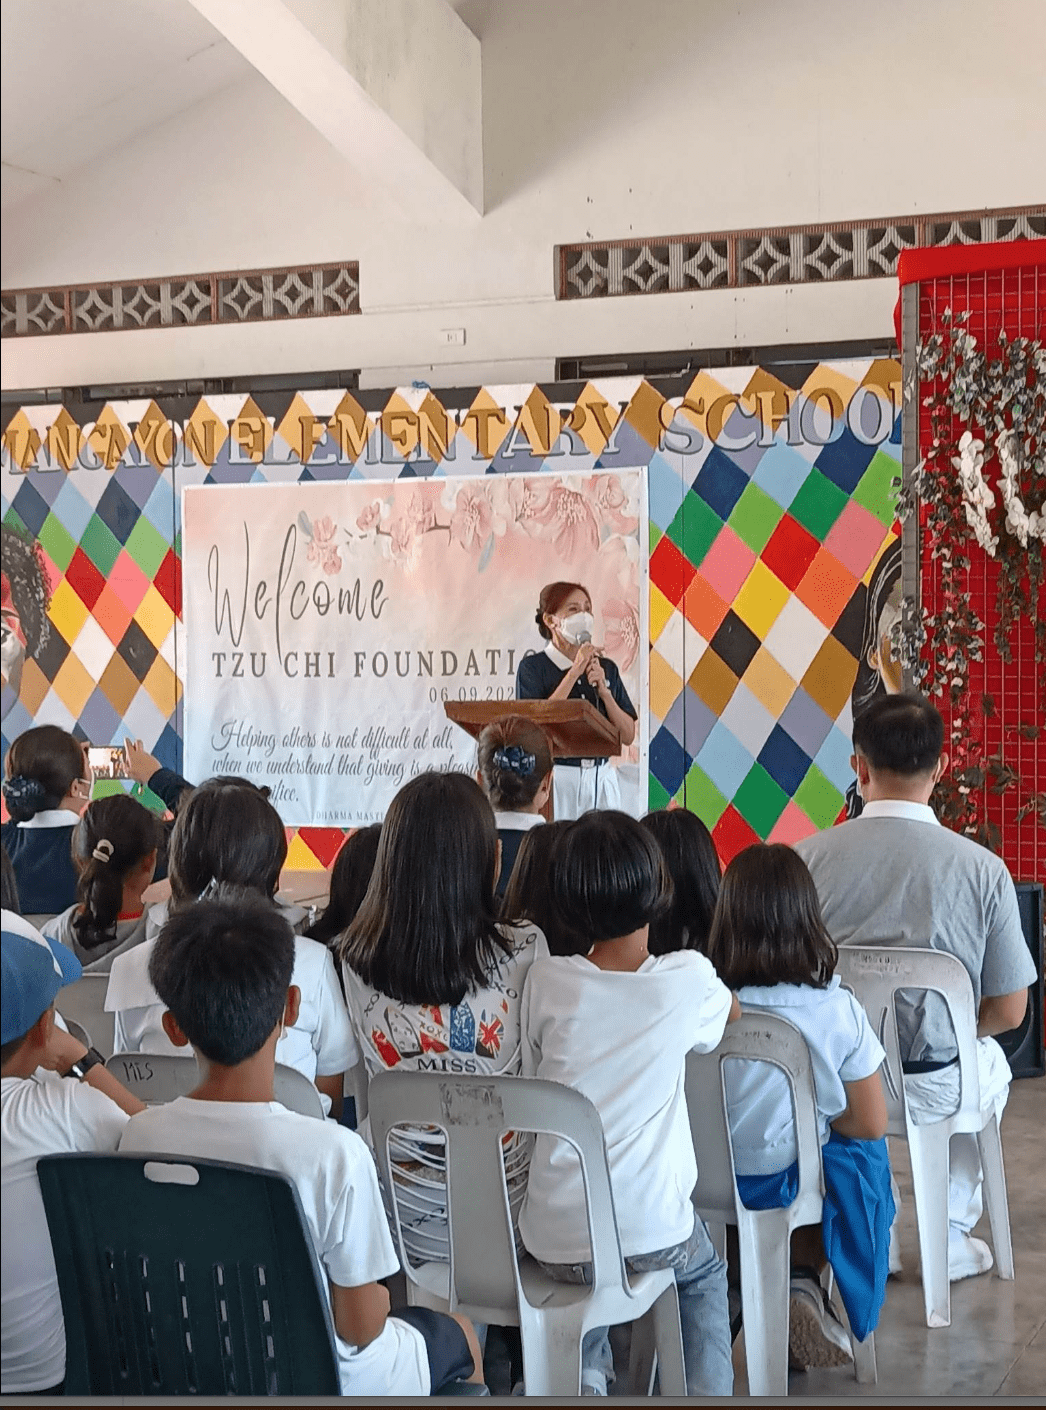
(772, 550)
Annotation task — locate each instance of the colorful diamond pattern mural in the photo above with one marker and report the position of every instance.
(770, 505)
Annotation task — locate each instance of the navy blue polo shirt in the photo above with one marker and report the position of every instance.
(537, 676)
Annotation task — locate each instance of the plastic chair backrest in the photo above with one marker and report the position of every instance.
(155, 1078)
(475, 1113)
(186, 1277)
(296, 1092)
(84, 1001)
(769, 1039)
(875, 973)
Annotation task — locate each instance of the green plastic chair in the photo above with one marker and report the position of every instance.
(186, 1277)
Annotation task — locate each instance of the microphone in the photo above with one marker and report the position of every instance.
(584, 638)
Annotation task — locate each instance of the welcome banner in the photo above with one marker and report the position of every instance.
(326, 625)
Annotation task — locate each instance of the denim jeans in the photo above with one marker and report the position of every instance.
(703, 1313)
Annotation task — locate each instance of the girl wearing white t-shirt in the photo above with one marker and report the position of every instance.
(114, 850)
(227, 833)
(769, 942)
(616, 1023)
(433, 982)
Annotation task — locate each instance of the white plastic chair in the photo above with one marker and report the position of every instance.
(84, 1002)
(485, 1278)
(875, 974)
(764, 1235)
(155, 1078)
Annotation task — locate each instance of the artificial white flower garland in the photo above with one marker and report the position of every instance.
(978, 498)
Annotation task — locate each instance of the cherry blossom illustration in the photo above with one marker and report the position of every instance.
(473, 520)
(612, 503)
(621, 634)
(323, 549)
(369, 518)
(569, 521)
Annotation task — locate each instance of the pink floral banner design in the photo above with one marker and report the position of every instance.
(327, 625)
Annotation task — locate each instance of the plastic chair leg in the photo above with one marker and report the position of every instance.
(765, 1276)
(642, 1357)
(989, 1143)
(865, 1369)
(929, 1156)
(551, 1352)
(668, 1336)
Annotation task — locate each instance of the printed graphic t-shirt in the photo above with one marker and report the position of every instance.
(481, 1036)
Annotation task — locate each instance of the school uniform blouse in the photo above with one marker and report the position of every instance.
(540, 673)
(512, 828)
(41, 851)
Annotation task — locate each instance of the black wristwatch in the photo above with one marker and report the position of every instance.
(82, 1066)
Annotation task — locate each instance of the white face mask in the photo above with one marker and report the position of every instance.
(578, 627)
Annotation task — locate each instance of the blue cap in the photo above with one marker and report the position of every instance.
(34, 969)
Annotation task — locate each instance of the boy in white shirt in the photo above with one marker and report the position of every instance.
(41, 1113)
(223, 968)
(617, 1024)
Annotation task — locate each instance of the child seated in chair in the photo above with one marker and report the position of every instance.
(223, 968)
(57, 1099)
(769, 941)
(616, 1024)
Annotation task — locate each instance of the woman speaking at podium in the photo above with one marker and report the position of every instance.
(572, 668)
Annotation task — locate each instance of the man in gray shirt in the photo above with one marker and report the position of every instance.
(894, 876)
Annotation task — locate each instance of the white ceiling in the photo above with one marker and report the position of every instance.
(82, 77)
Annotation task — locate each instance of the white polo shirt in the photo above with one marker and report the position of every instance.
(843, 1049)
(320, 1044)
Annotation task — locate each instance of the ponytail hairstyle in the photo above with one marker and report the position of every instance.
(226, 833)
(515, 758)
(553, 595)
(42, 766)
(112, 838)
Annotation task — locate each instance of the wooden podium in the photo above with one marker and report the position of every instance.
(575, 728)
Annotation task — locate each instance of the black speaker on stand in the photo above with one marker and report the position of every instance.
(1023, 1045)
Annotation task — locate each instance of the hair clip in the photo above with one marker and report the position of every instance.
(208, 890)
(103, 852)
(515, 759)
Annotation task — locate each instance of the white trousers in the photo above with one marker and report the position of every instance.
(936, 1094)
(576, 791)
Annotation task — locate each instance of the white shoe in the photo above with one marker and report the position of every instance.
(895, 1250)
(816, 1337)
(967, 1256)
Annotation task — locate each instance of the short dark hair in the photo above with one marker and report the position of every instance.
(350, 878)
(427, 932)
(608, 877)
(226, 834)
(553, 595)
(42, 766)
(767, 927)
(900, 734)
(508, 782)
(527, 895)
(131, 832)
(223, 968)
(693, 865)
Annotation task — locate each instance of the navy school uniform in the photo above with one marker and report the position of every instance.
(537, 676)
